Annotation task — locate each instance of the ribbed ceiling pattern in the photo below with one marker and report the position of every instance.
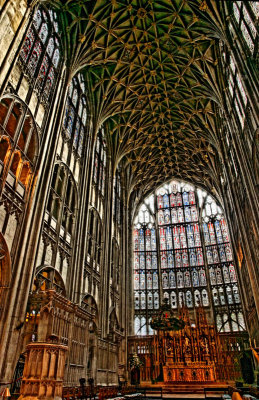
(150, 66)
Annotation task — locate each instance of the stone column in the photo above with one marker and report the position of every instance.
(44, 371)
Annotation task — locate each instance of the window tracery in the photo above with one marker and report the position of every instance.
(244, 16)
(76, 114)
(62, 202)
(40, 54)
(222, 274)
(168, 228)
(237, 91)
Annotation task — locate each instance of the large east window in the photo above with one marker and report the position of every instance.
(182, 252)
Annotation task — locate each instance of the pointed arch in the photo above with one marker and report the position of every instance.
(47, 277)
(89, 304)
(181, 240)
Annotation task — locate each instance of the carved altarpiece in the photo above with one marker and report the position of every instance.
(196, 353)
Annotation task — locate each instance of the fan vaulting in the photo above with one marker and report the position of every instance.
(151, 73)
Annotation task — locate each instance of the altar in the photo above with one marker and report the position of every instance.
(192, 353)
(192, 372)
(188, 353)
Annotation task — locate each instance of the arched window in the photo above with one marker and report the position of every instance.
(100, 162)
(89, 304)
(41, 54)
(76, 114)
(243, 31)
(18, 143)
(62, 202)
(169, 257)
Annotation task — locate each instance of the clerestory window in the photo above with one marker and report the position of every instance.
(76, 114)
(40, 55)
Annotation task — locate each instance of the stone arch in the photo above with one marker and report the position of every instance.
(89, 304)
(113, 321)
(19, 139)
(47, 277)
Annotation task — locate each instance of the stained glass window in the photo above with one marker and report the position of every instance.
(145, 249)
(249, 22)
(220, 258)
(40, 53)
(236, 12)
(34, 57)
(255, 7)
(244, 17)
(173, 265)
(28, 44)
(244, 32)
(37, 19)
(74, 123)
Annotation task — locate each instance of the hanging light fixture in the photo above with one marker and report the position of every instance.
(165, 319)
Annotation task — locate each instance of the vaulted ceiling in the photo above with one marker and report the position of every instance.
(150, 67)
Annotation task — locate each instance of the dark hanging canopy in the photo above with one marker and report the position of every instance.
(166, 320)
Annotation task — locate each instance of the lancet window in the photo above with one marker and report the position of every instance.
(62, 202)
(41, 54)
(76, 114)
(100, 162)
(170, 260)
(18, 144)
